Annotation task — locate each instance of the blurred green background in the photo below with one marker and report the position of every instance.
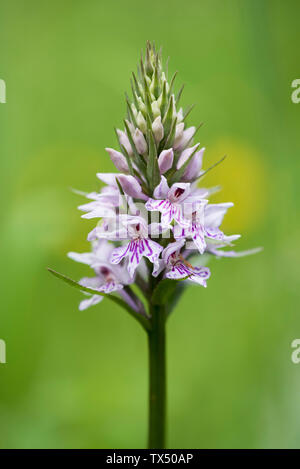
(79, 379)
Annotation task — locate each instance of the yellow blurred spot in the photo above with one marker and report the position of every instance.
(243, 180)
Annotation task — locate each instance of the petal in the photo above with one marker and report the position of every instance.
(179, 217)
(110, 230)
(193, 169)
(214, 214)
(214, 233)
(119, 253)
(165, 161)
(140, 142)
(123, 139)
(93, 300)
(200, 275)
(118, 160)
(178, 271)
(185, 138)
(135, 254)
(180, 232)
(167, 215)
(171, 249)
(179, 191)
(158, 129)
(152, 250)
(178, 134)
(108, 178)
(159, 266)
(84, 258)
(110, 287)
(221, 253)
(131, 186)
(91, 282)
(185, 155)
(161, 191)
(157, 205)
(100, 211)
(199, 241)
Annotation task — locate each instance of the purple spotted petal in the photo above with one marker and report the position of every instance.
(200, 275)
(178, 271)
(152, 250)
(177, 214)
(119, 253)
(110, 286)
(198, 238)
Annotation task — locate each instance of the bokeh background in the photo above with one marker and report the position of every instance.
(79, 379)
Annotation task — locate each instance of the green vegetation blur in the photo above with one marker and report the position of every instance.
(79, 379)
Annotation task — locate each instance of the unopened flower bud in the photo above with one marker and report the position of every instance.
(131, 186)
(155, 109)
(193, 169)
(185, 155)
(134, 110)
(180, 115)
(165, 160)
(118, 160)
(178, 133)
(141, 122)
(123, 139)
(185, 138)
(130, 125)
(158, 129)
(140, 142)
(141, 104)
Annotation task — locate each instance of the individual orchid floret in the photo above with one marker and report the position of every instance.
(139, 245)
(205, 224)
(171, 202)
(103, 203)
(140, 142)
(177, 268)
(108, 278)
(196, 229)
(213, 218)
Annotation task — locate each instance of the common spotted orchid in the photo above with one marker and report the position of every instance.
(151, 216)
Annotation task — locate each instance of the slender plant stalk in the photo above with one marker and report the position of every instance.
(157, 377)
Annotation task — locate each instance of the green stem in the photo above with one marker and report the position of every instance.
(157, 377)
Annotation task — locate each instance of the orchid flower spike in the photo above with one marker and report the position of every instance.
(150, 213)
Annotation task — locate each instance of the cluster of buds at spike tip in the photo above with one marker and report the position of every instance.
(153, 213)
